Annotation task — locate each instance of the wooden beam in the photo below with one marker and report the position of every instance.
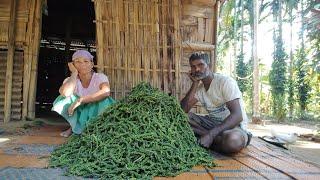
(34, 59)
(197, 46)
(10, 56)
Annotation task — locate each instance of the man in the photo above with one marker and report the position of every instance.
(224, 129)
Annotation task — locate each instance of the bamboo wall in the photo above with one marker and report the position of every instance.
(137, 40)
(151, 40)
(16, 97)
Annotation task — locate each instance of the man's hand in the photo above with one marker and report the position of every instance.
(207, 140)
(72, 68)
(193, 79)
(74, 106)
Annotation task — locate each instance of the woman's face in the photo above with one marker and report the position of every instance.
(83, 65)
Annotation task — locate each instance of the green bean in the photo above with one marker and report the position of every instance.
(143, 135)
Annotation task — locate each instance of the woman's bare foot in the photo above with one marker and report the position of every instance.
(66, 133)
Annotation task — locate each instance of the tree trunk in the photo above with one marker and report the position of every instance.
(291, 63)
(235, 36)
(241, 42)
(256, 95)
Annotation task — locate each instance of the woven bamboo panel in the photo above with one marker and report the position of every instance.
(21, 20)
(16, 84)
(139, 40)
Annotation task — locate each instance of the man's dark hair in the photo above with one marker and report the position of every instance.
(196, 56)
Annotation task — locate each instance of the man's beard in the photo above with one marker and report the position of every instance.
(200, 76)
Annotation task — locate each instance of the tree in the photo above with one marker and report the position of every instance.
(303, 85)
(290, 6)
(277, 75)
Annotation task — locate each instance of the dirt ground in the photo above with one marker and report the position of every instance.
(303, 148)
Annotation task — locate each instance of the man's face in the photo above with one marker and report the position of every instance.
(199, 69)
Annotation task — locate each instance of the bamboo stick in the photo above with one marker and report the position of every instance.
(35, 53)
(154, 52)
(10, 55)
(165, 52)
(126, 51)
(99, 34)
(131, 44)
(112, 40)
(118, 43)
(146, 52)
(177, 44)
(135, 41)
(157, 37)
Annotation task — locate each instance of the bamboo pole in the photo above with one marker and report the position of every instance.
(157, 37)
(131, 44)
(164, 48)
(154, 40)
(126, 50)
(116, 36)
(99, 34)
(145, 34)
(34, 57)
(27, 59)
(177, 45)
(135, 42)
(10, 56)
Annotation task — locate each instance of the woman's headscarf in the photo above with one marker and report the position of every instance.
(82, 53)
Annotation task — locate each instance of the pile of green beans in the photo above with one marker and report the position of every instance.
(145, 134)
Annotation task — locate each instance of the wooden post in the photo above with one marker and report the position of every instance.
(215, 35)
(197, 46)
(10, 56)
(34, 59)
(27, 59)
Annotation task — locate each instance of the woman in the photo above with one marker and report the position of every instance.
(83, 95)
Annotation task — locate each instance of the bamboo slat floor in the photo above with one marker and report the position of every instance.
(258, 161)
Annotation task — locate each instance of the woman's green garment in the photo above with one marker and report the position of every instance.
(82, 114)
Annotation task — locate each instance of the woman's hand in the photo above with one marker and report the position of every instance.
(72, 68)
(74, 106)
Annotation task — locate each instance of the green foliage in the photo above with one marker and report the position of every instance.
(298, 90)
(277, 78)
(242, 73)
(291, 94)
(303, 86)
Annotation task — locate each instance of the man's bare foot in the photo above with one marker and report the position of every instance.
(66, 133)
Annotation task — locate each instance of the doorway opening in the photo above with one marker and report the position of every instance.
(66, 27)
